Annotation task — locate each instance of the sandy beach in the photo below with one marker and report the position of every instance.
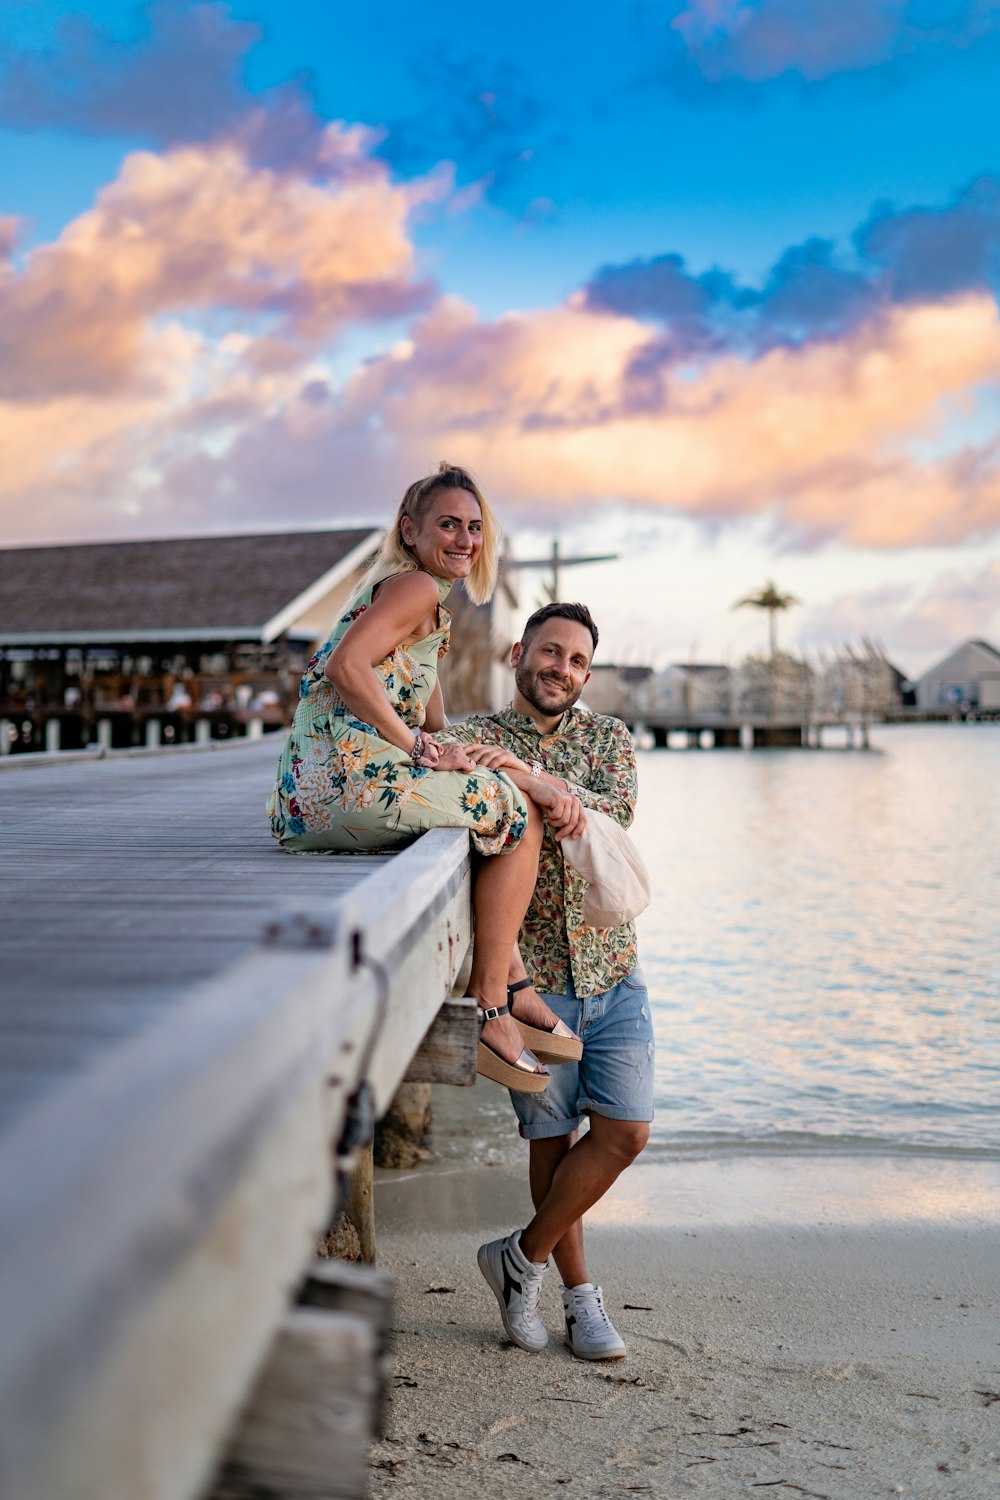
(824, 1326)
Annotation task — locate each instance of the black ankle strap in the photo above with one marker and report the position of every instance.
(492, 1012)
(512, 989)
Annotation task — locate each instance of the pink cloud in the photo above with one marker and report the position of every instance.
(123, 410)
(201, 229)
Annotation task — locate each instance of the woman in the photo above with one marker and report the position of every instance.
(361, 769)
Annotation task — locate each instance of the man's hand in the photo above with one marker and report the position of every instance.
(564, 812)
(495, 758)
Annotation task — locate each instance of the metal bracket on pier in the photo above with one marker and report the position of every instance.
(359, 1122)
(318, 928)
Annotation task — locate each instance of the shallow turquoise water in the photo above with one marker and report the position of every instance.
(823, 947)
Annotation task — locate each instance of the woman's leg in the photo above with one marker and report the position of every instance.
(504, 885)
(527, 1004)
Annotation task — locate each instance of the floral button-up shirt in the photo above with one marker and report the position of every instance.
(594, 755)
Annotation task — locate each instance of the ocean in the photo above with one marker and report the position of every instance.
(823, 946)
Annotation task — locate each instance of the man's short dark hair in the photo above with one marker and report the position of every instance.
(577, 612)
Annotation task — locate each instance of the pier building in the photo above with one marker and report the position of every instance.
(172, 640)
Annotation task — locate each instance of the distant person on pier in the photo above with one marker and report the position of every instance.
(590, 978)
(362, 769)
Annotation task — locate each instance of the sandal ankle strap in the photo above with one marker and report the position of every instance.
(492, 1012)
(512, 989)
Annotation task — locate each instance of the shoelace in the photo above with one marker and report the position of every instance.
(591, 1313)
(531, 1291)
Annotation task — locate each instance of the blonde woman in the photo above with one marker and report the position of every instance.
(361, 770)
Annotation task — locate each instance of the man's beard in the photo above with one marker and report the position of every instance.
(528, 686)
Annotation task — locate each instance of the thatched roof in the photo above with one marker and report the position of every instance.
(187, 588)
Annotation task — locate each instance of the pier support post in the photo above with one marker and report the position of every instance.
(53, 736)
(360, 1205)
(305, 1432)
(152, 733)
(104, 733)
(351, 1236)
(339, 1287)
(5, 736)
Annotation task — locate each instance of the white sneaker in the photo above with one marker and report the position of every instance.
(590, 1333)
(516, 1283)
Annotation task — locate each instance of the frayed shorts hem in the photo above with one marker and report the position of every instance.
(548, 1130)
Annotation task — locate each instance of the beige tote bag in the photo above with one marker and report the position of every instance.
(617, 880)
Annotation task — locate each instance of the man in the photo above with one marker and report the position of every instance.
(589, 978)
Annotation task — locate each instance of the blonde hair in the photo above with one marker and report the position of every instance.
(396, 556)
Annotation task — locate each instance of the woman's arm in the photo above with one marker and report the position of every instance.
(404, 609)
(435, 717)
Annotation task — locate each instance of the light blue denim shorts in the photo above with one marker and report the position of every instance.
(614, 1077)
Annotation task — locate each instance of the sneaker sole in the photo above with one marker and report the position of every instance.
(579, 1354)
(490, 1279)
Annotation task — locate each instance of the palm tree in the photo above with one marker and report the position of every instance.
(772, 601)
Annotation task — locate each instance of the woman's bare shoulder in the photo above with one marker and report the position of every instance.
(403, 590)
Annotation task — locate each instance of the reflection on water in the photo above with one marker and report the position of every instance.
(823, 947)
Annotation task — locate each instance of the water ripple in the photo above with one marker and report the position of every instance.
(823, 949)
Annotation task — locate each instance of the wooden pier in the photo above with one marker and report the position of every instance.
(196, 1034)
(708, 731)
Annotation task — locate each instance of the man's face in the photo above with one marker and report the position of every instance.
(552, 667)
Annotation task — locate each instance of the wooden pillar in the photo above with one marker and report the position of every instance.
(306, 1430)
(361, 1204)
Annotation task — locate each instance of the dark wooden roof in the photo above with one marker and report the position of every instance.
(175, 588)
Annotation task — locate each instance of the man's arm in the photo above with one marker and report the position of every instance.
(560, 805)
(610, 785)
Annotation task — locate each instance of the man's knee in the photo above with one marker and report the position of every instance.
(622, 1139)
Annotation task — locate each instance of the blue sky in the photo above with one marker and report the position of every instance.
(711, 283)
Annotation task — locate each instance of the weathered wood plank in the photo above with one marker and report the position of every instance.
(304, 1434)
(447, 1053)
(340, 1286)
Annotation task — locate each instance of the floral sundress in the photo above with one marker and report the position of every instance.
(341, 788)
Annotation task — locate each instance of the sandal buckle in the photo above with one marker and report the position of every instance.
(492, 1012)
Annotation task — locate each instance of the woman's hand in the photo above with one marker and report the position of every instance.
(449, 758)
(495, 758)
(430, 752)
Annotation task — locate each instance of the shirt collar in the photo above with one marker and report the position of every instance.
(527, 725)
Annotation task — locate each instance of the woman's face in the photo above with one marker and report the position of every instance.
(450, 535)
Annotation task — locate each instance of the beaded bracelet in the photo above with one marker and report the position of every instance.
(418, 746)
